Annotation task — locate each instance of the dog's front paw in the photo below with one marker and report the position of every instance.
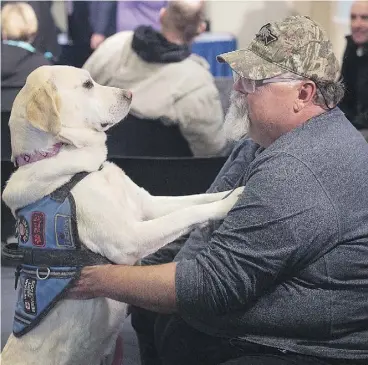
(238, 191)
(227, 203)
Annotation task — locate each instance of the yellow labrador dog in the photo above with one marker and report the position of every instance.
(58, 125)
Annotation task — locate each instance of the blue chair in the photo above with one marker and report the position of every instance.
(209, 45)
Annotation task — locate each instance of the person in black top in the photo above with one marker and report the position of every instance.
(79, 33)
(354, 71)
(18, 56)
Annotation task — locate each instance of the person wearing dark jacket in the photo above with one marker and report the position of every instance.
(18, 59)
(46, 37)
(79, 33)
(354, 72)
(18, 56)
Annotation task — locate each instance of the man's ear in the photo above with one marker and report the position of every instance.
(162, 14)
(306, 93)
(42, 109)
(202, 27)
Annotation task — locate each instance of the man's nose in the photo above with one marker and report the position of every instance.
(357, 22)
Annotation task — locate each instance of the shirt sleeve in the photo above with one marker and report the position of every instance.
(283, 217)
(100, 15)
(231, 175)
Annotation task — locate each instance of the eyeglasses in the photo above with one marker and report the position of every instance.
(249, 86)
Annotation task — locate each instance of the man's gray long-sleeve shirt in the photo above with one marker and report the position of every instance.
(288, 267)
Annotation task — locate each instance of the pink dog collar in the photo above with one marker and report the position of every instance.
(26, 158)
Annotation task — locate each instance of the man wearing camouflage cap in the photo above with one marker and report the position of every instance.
(284, 278)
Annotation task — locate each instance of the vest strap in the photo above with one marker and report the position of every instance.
(50, 257)
(61, 193)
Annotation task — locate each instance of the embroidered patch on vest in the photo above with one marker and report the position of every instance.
(38, 229)
(29, 299)
(23, 229)
(63, 231)
(265, 35)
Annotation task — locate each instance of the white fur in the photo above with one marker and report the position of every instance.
(116, 218)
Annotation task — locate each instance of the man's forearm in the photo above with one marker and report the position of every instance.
(149, 287)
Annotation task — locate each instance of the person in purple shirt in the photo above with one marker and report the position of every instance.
(131, 14)
(122, 15)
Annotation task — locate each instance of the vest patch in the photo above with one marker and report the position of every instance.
(63, 231)
(29, 298)
(23, 229)
(38, 229)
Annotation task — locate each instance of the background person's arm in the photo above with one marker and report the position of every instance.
(100, 18)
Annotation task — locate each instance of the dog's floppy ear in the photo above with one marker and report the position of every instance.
(42, 109)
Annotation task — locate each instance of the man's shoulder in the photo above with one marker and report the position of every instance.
(191, 79)
(118, 40)
(200, 61)
(194, 68)
(323, 142)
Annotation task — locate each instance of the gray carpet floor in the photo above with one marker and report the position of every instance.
(8, 297)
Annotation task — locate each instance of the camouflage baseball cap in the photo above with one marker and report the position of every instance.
(297, 44)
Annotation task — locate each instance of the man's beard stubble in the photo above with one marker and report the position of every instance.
(236, 120)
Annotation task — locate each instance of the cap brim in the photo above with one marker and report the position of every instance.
(249, 65)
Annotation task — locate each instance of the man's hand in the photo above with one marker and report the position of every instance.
(149, 287)
(96, 40)
(86, 287)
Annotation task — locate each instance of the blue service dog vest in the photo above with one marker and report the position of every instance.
(50, 253)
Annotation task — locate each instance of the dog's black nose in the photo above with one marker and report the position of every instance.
(128, 94)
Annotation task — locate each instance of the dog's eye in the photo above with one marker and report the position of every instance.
(88, 84)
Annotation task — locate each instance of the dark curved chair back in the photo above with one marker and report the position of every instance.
(7, 219)
(171, 176)
(8, 95)
(5, 136)
(143, 137)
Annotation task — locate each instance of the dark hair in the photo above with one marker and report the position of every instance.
(329, 93)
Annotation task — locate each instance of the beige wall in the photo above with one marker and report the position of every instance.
(244, 18)
(326, 13)
(59, 14)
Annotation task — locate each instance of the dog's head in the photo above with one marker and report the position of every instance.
(64, 104)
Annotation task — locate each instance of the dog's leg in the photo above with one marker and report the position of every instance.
(158, 206)
(153, 234)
